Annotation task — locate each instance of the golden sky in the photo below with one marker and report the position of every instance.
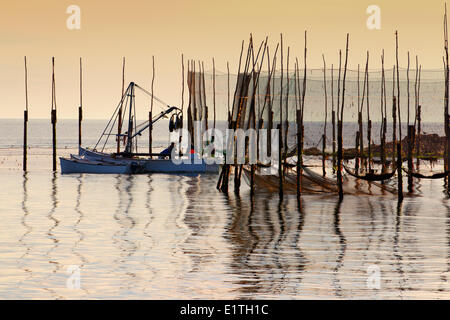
(200, 29)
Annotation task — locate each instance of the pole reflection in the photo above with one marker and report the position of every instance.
(77, 229)
(51, 235)
(125, 244)
(28, 229)
(342, 248)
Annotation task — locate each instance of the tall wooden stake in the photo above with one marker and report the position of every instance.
(299, 153)
(80, 108)
(411, 132)
(53, 115)
(150, 114)
(398, 91)
(446, 98)
(419, 121)
(340, 129)
(333, 122)
(214, 93)
(369, 122)
(119, 123)
(25, 119)
(280, 128)
(324, 135)
(228, 92)
(383, 115)
(399, 172)
(394, 118)
(357, 139)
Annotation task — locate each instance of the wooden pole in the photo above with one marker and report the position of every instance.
(357, 148)
(383, 116)
(25, 119)
(298, 122)
(333, 122)
(280, 128)
(360, 117)
(214, 95)
(299, 153)
(202, 70)
(286, 123)
(411, 132)
(80, 108)
(394, 117)
(228, 92)
(53, 115)
(419, 121)
(242, 102)
(182, 105)
(399, 172)
(398, 91)
(340, 129)
(150, 114)
(119, 123)
(407, 89)
(385, 113)
(369, 122)
(301, 129)
(446, 98)
(182, 83)
(399, 144)
(324, 135)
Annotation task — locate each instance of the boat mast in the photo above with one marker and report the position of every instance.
(128, 148)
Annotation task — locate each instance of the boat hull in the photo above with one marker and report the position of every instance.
(154, 165)
(77, 166)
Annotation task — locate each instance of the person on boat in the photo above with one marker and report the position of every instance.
(167, 152)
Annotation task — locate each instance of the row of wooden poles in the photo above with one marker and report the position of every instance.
(53, 117)
(359, 139)
(53, 113)
(338, 115)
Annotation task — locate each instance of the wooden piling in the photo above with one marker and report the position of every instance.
(80, 108)
(357, 160)
(398, 91)
(120, 120)
(399, 173)
(25, 120)
(286, 123)
(407, 90)
(419, 130)
(333, 122)
(446, 98)
(324, 135)
(53, 115)
(299, 152)
(394, 118)
(384, 116)
(228, 92)
(340, 129)
(150, 114)
(417, 120)
(214, 95)
(411, 132)
(280, 127)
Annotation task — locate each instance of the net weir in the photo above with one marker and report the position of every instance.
(273, 90)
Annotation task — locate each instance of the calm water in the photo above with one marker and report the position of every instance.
(175, 237)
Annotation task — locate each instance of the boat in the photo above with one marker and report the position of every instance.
(76, 165)
(130, 162)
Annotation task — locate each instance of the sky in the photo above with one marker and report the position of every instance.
(198, 29)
